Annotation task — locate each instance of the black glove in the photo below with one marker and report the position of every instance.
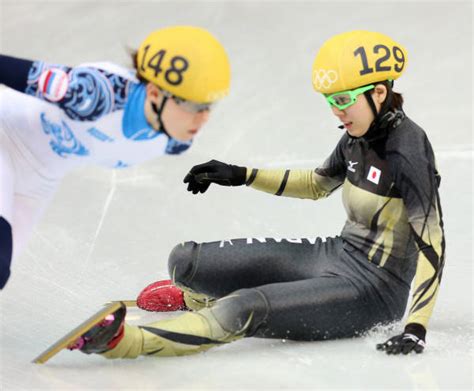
(201, 176)
(412, 339)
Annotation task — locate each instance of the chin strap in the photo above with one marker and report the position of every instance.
(371, 102)
(159, 112)
(385, 106)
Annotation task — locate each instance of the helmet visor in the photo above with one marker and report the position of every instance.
(342, 100)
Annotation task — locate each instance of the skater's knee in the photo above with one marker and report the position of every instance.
(182, 262)
(242, 312)
(6, 247)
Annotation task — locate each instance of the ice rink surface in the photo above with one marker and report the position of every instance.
(108, 233)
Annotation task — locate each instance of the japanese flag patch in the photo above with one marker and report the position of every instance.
(53, 83)
(374, 175)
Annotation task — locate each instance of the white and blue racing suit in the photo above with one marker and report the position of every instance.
(54, 119)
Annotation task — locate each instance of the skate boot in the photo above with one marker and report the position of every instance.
(104, 336)
(161, 296)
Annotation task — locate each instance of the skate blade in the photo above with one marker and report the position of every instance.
(72, 336)
(127, 303)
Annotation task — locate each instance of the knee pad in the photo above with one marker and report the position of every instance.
(182, 262)
(243, 311)
(6, 249)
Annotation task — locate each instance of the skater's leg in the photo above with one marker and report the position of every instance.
(208, 271)
(24, 195)
(6, 250)
(231, 318)
(14, 238)
(218, 268)
(321, 308)
(325, 307)
(6, 214)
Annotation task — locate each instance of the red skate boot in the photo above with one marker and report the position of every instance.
(161, 296)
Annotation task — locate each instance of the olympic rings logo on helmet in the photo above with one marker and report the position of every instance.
(323, 79)
(217, 95)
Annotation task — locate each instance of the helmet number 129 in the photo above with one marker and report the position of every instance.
(386, 53)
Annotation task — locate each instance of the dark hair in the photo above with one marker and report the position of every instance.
(397, 98)
(134, 55)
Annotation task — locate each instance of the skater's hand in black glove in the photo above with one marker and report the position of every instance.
(412, 339)
(201, 176)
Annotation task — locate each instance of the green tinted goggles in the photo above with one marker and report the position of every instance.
(342, 100)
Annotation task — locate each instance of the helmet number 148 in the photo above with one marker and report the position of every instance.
(174, 74)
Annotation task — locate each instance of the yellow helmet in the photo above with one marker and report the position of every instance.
(189, 62)
(357, 58)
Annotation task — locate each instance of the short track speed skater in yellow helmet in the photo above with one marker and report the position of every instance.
(352, 63)
(187, 62)
(357, 58)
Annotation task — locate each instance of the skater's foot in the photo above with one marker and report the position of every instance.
(161, 296)
(103, 336)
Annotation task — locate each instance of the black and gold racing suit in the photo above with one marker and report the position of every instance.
(312, 289)
(390, 192)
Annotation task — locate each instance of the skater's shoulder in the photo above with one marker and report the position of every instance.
(408, 137)
(111, 68)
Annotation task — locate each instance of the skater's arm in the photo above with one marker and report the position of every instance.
(291, 183)
(417, 179)
(84, 93)
(14, 72)
(312, 184)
